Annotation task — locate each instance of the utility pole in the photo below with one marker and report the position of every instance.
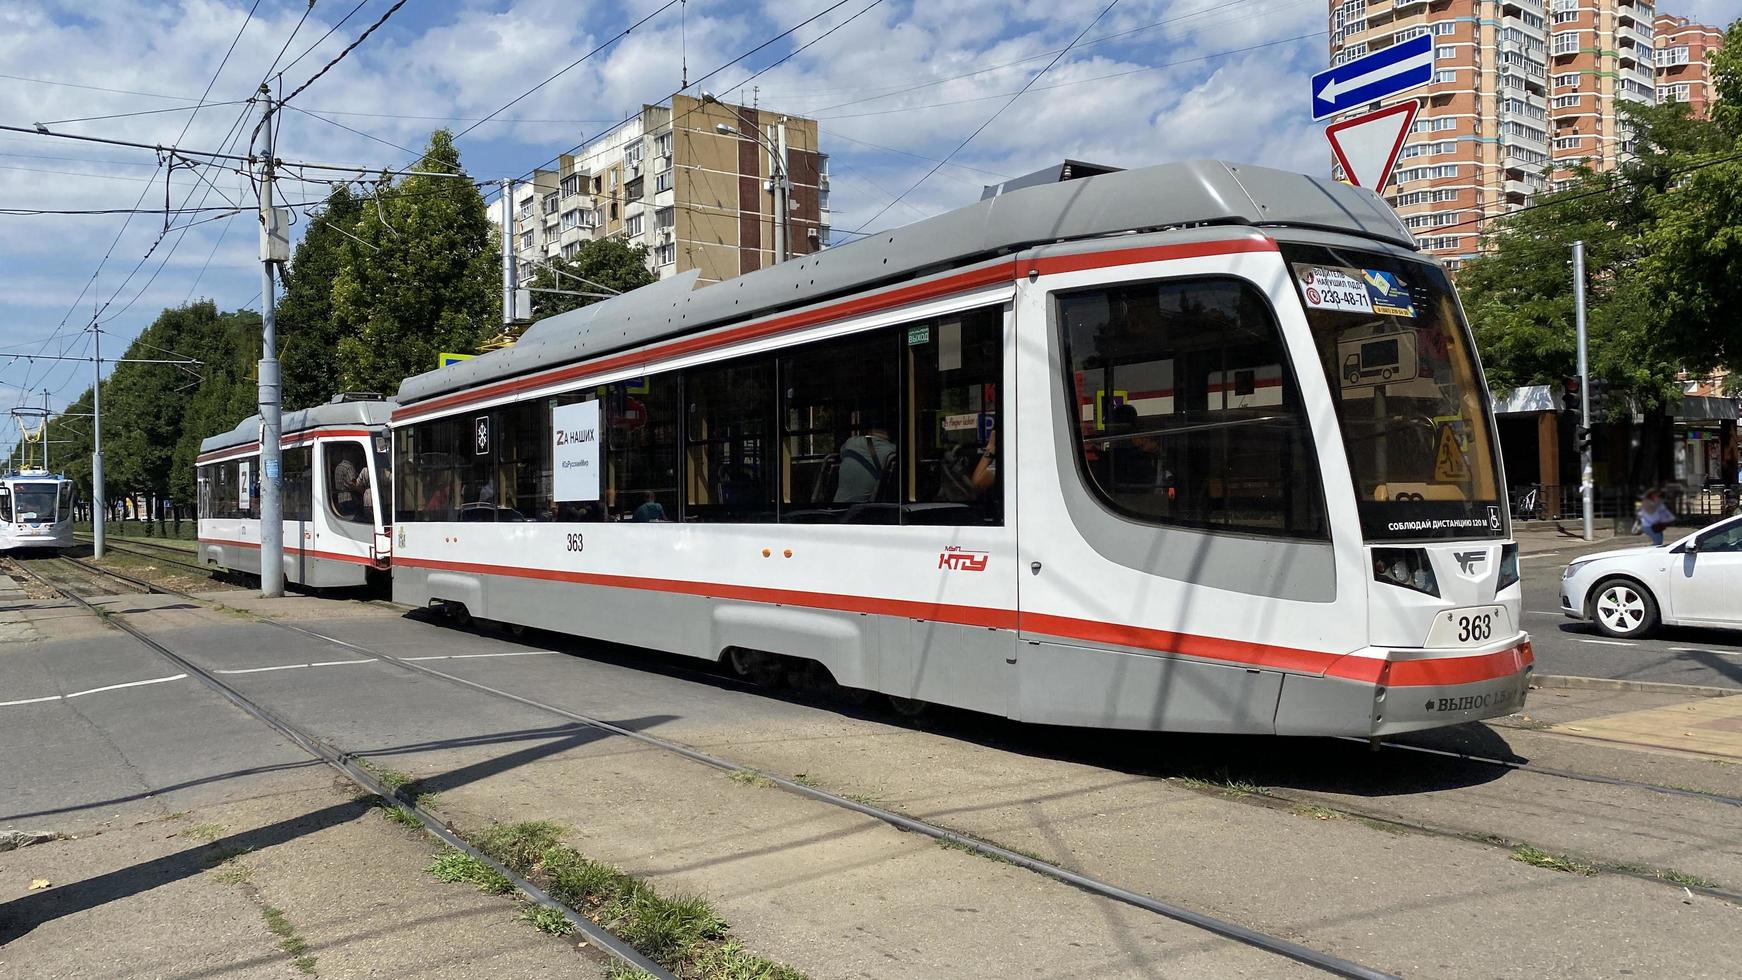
(1584, 430)
(510, 273)
(271, 423)
(782, 190)
(99, 510)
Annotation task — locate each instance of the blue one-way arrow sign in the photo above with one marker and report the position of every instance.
(1385, 72)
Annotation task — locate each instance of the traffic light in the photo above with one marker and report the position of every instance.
(1582, 438)
(1570, 395)
(1599, 395)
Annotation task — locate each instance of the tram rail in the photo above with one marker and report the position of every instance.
(347, 763)
(1334, 965)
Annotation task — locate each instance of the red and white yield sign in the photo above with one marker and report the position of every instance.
(1367, 146)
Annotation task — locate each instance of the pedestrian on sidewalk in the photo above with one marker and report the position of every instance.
(1654, 515)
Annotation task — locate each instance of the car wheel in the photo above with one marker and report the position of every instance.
(1623, 608)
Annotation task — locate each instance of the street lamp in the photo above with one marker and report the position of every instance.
(781, 184)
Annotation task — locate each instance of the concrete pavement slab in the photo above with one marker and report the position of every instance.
(1707, 726)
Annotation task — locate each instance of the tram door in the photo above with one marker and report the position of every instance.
(348, 495)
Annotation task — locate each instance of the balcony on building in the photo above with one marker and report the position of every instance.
(1513, 24)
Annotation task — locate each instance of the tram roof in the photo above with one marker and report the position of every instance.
(1200, 192)
(335, 412)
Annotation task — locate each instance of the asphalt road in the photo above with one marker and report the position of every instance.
(1677, 655)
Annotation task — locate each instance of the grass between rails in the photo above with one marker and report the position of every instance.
(293, 944)
(682, 933)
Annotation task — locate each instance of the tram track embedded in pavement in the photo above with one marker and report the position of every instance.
(346, 763)
(1277, 945)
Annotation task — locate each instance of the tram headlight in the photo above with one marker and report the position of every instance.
(1407, 567)
(1508, 566)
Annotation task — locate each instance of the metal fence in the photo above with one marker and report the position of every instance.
(1615, 506)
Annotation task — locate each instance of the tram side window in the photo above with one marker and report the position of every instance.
(840, 423)
(346, 469)
(5, 503)
(1187, 410)
(522, 463)
(729, 449)
(298, 484)
(427, 479)
(66, 502)
(641, 421)
(222, 480)
(954, 373)
(203, 492)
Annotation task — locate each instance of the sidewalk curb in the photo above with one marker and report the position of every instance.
(1568, 682)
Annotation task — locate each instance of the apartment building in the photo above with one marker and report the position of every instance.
(1600, 55)
(1522, 94)
(1479, 145)
(1683, 49)
(671, 180)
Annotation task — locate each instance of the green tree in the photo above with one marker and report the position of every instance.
(607, 262)
(421, 278)
(309, 344)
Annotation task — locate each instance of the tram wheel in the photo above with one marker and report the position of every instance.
(457, 613)
(908, 707)
(760, 668)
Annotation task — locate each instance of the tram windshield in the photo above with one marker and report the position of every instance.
(34, 502)
(1409, 397)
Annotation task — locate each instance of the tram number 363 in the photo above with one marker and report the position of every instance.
(575, 543)
(1472, 629)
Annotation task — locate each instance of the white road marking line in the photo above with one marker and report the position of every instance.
(262, 670)
(117, 687)
(51, 697)
(1611, 643)
(94, 690)
(1540, 554)
(1721, 653)
(475, 656)
(1542, 612)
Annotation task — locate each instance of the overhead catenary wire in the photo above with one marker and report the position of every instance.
(989, 119)
(697, 83)
(322, 39)
(186, 125)
(341, 55)
(569, 67)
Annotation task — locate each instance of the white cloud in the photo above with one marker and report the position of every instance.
(436, 63)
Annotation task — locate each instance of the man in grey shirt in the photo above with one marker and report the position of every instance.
(864, 461)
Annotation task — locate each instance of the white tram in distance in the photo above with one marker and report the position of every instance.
(336, 471)
(1084, 453)
(36, 510)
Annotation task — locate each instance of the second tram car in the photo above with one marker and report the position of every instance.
(1194, 447)
(36, 510)
(336, 472)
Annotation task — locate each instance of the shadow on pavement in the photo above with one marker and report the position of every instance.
(19, 916)
(1331, 765)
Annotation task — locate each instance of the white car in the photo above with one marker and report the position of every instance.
(1696, 581)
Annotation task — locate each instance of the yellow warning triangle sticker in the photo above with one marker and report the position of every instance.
(1449, 462)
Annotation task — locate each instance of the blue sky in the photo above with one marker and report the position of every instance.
(1157, 80)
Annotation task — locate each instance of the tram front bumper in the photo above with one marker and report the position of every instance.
(1409, 690)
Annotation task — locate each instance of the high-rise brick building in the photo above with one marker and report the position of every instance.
(1600, 55)
(1480, 140)
(1684, 73)
(1522, 94)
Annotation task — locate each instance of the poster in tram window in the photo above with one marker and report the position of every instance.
(242, 485)
(574, 433)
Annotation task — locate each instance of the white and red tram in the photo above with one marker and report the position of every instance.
(336, 470)
(1194, 447)
(36, 510)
